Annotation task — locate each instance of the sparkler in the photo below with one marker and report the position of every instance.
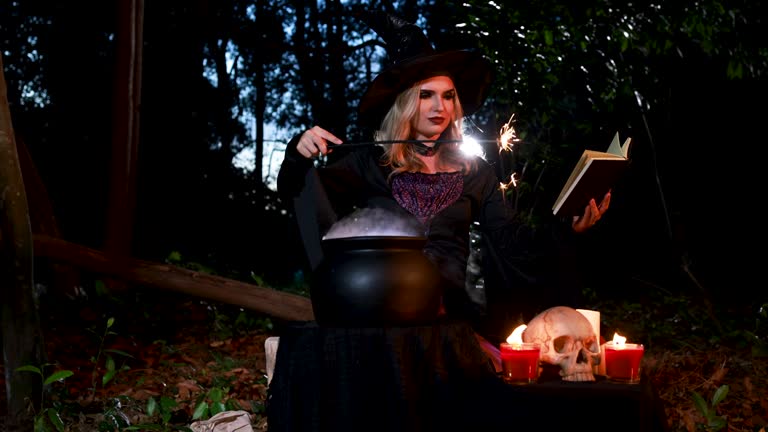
(403, 141)
(507, 138)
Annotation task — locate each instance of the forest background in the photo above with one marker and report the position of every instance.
(686, 80)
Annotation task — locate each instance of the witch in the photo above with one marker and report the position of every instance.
(416, 106)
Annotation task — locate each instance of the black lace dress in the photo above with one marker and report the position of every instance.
(432, 377)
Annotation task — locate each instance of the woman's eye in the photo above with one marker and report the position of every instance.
(425, 95)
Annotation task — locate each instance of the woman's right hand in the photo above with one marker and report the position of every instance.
(314, 142)
(592, 214)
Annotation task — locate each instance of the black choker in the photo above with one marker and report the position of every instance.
(426, 150)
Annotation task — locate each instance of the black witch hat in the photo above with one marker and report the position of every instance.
(410, 59)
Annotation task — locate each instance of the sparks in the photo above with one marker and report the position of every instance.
(507, 136)
(511, 183)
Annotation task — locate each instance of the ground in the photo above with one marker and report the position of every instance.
(188, 355)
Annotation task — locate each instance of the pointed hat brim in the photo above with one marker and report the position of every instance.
(472, 76)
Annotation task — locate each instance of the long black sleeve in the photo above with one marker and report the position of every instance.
(298, 183)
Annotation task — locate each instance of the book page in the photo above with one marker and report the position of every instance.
(615, 147)
(625, 147)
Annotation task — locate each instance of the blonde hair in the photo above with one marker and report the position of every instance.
(397, 125)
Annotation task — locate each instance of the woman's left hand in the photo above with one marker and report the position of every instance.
(592, 214)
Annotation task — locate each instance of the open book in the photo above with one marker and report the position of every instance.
(592, 177)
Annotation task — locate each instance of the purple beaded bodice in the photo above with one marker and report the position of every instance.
(425, 195)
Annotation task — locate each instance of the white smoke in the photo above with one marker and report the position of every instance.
(375, 222)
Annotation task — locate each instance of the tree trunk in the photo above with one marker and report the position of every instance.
(337, 50)
(259, 84)
(22, 337)
(125, 130)
(66, 279)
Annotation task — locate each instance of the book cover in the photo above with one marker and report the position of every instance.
(593, 176)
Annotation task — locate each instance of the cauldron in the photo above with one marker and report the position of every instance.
(374, 281)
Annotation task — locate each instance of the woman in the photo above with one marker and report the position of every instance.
(417, 105)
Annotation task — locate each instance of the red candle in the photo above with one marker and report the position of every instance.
(520, 362)
(622, 362)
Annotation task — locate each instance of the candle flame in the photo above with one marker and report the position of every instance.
(516, 337)
(618, 340)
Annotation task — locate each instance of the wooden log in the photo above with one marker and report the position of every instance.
(278, 304)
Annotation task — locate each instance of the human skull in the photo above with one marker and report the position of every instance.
(567, 340)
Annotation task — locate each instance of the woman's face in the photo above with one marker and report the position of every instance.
(437, 97)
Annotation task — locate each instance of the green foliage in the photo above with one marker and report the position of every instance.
(49, 417)
(229, 321)
(299, 284)
(214, 402)
(113, 417)
(164, 409)
(713, 421)
(759, 335)
(573, 75)
(110, 368)
(175, 258)
(678, 321)
(100, 289)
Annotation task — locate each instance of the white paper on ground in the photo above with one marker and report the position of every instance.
(227, 421)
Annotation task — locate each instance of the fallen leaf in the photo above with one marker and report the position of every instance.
(186, 388)
(718, 376)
